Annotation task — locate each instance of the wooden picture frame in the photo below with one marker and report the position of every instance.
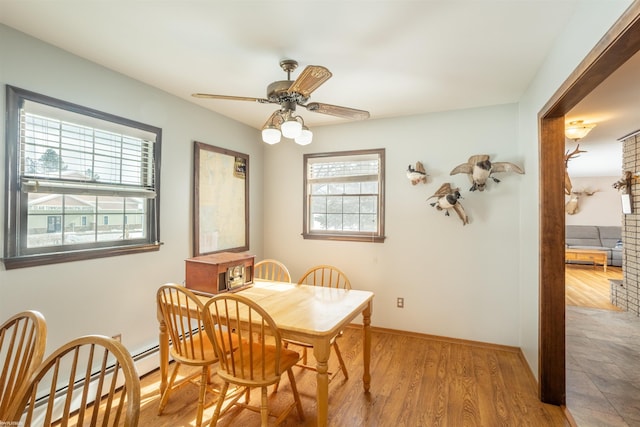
(220, 200)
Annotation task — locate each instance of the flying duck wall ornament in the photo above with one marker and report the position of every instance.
(480, 169)
(447, 198)
(417, 175)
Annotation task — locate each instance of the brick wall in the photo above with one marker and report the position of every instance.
(626, 294)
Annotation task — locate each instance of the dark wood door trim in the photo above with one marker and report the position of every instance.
(614, 49)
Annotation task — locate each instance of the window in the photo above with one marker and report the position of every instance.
(344, 196)
(74, 175)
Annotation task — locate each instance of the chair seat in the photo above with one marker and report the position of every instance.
(198, 341)
(253, 370)
(202, 341)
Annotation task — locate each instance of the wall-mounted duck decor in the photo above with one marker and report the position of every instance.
(447, 198)
(480, 169)
(417, 175)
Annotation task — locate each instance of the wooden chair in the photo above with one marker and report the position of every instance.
(23, 339)
(260, 359)
(332, 277)
(183, 314)
(271, 269)
(91, 380)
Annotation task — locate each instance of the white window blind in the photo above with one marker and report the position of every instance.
(69, 157)
(348, 168)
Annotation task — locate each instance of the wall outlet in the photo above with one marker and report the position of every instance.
(400, 302)
(117, 337)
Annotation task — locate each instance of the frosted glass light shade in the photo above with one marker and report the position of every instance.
(291, 128)
(271, 135)
(305, 136)
(578, 129)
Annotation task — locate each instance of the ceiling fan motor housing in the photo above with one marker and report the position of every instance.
(278, 92)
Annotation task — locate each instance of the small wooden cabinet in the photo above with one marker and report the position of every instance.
(220, 272)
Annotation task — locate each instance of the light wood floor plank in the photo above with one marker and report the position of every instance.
(416, 381)
(587, 286)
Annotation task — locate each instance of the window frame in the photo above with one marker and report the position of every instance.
(16, 255)
(360, 236)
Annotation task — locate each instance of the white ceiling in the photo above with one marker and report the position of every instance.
(392, 58)
(615, 108)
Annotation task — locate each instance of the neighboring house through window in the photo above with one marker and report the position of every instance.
(80, 183)
(344, 196)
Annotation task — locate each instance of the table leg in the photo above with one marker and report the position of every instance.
(164, 355)
(366, 351)
(321, 353)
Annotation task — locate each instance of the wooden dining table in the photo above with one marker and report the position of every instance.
(311, 314)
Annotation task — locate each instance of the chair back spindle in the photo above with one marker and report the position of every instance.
(272, 270)
(325, 275)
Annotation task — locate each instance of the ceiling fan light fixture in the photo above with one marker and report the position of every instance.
(271, 135)
(289, 94)
(291, 128)
(578, 129)
(305, 137)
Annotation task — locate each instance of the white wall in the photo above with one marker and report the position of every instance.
(477, 282)
(591, 22)
(457, 281)
(117, 295)
(604, 207)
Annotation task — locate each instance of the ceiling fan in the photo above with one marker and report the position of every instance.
(289, 94)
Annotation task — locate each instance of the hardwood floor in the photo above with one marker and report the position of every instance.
(587, 286)
(416, 381)
(602, 343)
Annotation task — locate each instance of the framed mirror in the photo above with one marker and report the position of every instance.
(221, 200)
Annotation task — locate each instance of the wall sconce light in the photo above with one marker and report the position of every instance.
(286, 123)
(578, 129)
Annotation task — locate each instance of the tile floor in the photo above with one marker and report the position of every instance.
(603, 367)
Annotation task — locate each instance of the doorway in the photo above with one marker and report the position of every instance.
(616, 47)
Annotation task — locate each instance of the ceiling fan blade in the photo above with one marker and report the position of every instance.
(309, 80)
(335, 110)
(231, 98)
